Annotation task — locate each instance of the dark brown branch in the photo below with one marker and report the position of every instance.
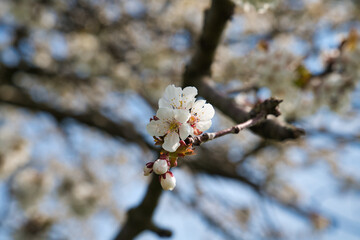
(198, 70)
(13, 96)
(140, 218)
(213, 163)
(215, 19)
(161, 232)
(214, 23)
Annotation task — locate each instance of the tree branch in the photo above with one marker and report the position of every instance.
(13, 96)
(198, 70)
(213, 163)
(268, 129)
(260, 112)
(215, 19)
(140, 217)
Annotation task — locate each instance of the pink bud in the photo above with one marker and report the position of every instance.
(161, 166)
(168, 181)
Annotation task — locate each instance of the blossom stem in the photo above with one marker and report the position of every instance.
(259, 112)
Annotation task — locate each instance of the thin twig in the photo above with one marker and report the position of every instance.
(260, 112)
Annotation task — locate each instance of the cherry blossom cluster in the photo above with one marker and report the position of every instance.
(179, 116)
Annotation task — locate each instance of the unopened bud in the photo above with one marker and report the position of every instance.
(168, 181)
(161, 166)
(148, 169)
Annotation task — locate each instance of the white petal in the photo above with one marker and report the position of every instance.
(169, 91)
(190, 104)
(182, 115)
(171, 142)
(185, 130)
(206, 113)
(165, 114)
(163, 103)
(203, 125)
(188, 97)
(160, 166)
(169, 182)
(192, 132)
(173, 95)
(190, 92)
(157, 128)
(197, 107)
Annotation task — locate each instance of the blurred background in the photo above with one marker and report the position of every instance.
(79, 80)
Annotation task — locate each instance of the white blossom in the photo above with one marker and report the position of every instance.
(176, 98)
(201, 112)
(201, 115)
(171, 123)
(161, 166)
(168, 181)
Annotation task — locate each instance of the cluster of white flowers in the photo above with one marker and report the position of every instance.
(179, 116)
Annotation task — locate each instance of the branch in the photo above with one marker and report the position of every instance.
(259, 112)
(198, 70)
(13, 96)
(215, 20)
(213, 163)
(268, 129)
(140, 218)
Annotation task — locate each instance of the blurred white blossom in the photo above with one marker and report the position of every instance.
(30, 185)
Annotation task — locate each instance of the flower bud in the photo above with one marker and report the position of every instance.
(168, 181)
(161, 166)
(148, 169)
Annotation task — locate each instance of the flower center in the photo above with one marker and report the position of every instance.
(193, 120)
(174, 126)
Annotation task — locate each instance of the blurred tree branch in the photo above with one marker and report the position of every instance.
(140, 218)
(215, 21)
(17, 97)
(197, 72)
(217, 164)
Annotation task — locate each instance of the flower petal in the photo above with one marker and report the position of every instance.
(203, 125)
(182, 115)
(165, 114)
(168, 181)
(190, 92)
(161, 166)
(197, 107)
(171, 142)
(173, 95)
(188, 97)
(206, 113)
(185, 130)
(157, 128)
(163, 103)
